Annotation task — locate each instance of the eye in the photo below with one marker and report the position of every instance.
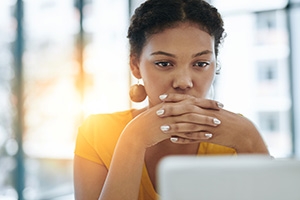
(163, 64)
(201, 64)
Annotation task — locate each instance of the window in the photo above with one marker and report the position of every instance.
(267, 71)
(254, 78)
(269, 121)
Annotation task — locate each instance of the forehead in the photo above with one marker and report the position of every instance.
(184, 37)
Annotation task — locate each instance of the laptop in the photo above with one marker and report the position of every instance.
(228, 178)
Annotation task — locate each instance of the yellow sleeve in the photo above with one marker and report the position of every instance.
(98, 135)
(84, 149)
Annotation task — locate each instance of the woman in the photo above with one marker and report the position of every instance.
(174, 47)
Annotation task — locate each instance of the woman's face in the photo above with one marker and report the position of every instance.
(177, 60)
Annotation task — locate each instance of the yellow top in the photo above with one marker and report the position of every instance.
(97, 138)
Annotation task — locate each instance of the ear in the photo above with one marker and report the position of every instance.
(134, 66)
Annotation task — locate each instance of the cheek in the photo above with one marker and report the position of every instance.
(203, 85)
(155, 85)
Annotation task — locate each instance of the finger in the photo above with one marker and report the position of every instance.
(201, 102)
(191, 138)
(188, 127)
(197, 119)
(179, 140)
(187, 113)
(173, 109)
(202, 135)
(173, 97)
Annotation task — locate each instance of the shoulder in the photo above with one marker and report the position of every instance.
(98, 135)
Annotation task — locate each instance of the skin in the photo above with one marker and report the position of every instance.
(180, 63)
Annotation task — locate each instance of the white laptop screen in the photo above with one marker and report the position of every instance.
(228, 177)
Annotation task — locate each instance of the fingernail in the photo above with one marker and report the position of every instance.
(208, 135)
(163, 96)
(174, 139)
(216, 121)
(165, 128)
(160, 112)
(220, 105)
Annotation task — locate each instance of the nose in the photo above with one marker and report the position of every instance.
(182, 80)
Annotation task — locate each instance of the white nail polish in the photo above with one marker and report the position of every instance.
(163, 96)
(216, 121)
(160, 112)
(208, 135)
(174, 139)
(220, 105)
(165, 128)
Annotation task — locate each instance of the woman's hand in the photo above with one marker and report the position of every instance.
(177, 115)
(196, 120)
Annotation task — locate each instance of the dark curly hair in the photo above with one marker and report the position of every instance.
(154, 16)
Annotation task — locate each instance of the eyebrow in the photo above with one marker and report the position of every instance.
(174, 56)
(202, 53)
(162, 53)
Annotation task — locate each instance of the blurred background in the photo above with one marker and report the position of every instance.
(61, 60)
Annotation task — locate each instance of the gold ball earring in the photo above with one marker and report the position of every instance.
(137, 93)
